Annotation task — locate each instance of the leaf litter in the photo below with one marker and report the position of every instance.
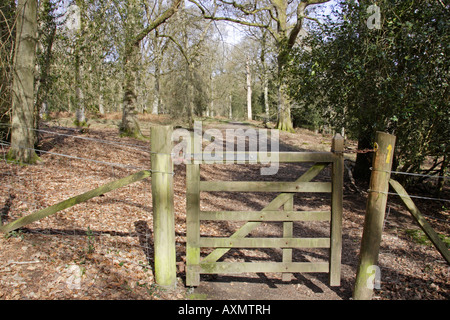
(103, 249)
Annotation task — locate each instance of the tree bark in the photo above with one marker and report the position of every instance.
(157, 94)
(130, 124)
(23, 134)
(443, 172)
(363, 160)
(249, 90)
(7, 38)
(284, 110)
(80, 118)
(190, 94)
(48, 28)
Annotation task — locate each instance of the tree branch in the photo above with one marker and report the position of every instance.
(238, 21)
(158, 21)
(242, 8)
(179, 46)
(301, 8)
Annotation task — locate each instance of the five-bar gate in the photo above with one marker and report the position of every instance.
(195, 265)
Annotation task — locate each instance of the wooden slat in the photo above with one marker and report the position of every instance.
(288, 232)
(337, 176)
(266, 215)
(264, 157)
(75, 200)
(192, 221)
(424, 225)
(275, 204)
(239, 267)
(264, 186)
(265, 242)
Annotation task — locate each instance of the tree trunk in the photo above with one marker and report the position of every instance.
(130, 125)
(211, 95)
(249, 90)
(230, 107)
(101, 106)
(7, 38)
(363, 160)
(284, 110)
(80, 119)
(266, 96)
(190, 95)
(443, 172)
(157, 94)
(23, 135)
(265, 77)
(48, 25)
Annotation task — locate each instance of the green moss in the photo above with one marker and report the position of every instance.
(13, 157)
(82, 124)
(209, 267)
(418, 236)
(136, 133)
(197, 296)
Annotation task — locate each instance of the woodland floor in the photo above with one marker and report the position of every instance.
(103, 249)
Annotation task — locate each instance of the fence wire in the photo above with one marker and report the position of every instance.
(102, 247)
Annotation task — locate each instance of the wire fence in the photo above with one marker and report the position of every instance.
(104, 244)
(101, 245)
(425, 233)
(414, 175)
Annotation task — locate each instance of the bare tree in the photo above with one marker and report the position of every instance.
(285, 21)
(192, 37)
(130, 125)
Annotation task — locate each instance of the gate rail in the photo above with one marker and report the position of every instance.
(209, 265)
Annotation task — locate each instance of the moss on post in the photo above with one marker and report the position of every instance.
(163, 208)
(375, 211)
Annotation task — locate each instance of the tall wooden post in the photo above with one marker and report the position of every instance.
(163, 209)
(375, 211)
(288, 232)
(337, 146)
(192, 212)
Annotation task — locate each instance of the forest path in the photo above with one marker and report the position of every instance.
(268, 286)
(108, 240)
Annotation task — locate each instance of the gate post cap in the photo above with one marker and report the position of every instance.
(337, 144)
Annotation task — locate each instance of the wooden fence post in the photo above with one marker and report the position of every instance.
(337, 146)
(163, 208)
(375, 211)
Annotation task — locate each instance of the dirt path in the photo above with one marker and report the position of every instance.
(260, 286)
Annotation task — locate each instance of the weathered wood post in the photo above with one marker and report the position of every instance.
(337, 147)
(192, 213)
(288, 232)
(163, 208)
(375, 211)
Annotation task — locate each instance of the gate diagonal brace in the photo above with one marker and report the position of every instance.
(275, 204)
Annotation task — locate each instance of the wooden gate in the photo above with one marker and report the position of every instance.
(195, 265)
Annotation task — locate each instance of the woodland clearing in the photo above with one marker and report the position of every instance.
(102, 249)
